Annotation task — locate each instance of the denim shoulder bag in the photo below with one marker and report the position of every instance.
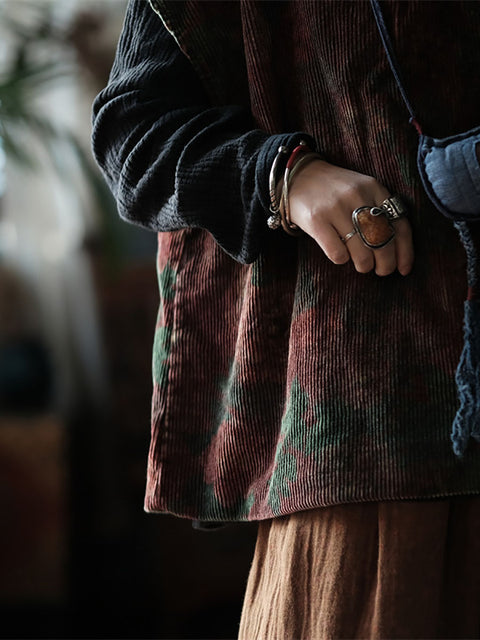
(450, 172)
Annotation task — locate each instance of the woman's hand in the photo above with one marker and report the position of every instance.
(322, 198)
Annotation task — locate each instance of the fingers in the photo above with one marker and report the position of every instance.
(340, 252)
(383, 260)
(403, 246)
(396, 255)
(331, 244)
(362, 257)
(322, 199)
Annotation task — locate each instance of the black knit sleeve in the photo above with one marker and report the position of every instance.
(171, 158)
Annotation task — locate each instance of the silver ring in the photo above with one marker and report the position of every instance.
(394, 208)
(346, 238)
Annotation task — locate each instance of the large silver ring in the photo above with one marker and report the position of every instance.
(394, 208)
(373, 226)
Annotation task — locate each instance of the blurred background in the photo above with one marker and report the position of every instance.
(78, 301)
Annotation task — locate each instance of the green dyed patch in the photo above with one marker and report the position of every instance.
(215, 509)
(220, 403)
(292, 436)
(247, 505)
(212, 504)
(166, 282)
(307, 294)
(161, 352)
(163, 335)
(260, 275)
(308, 432)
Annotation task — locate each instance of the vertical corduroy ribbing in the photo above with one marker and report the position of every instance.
(295, 383)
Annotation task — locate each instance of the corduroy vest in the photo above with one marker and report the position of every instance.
(293, 383)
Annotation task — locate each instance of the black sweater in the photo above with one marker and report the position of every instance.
(169, 155)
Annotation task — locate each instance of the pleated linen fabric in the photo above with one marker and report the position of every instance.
(376, 570)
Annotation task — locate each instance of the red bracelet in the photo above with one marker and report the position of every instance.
(302, 148)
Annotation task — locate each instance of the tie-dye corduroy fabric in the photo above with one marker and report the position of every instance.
(293, 383)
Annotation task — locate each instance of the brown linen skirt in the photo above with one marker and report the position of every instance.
(407, 569)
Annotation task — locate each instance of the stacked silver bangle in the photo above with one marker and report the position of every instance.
(274, 221)
(280, 211)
